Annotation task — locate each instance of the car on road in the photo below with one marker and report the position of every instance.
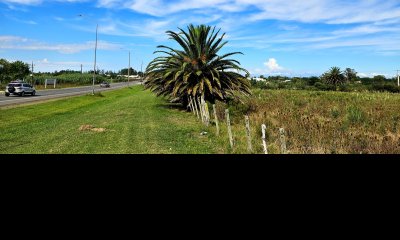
(20, 88)
(104, 84)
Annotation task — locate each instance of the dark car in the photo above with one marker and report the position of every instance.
(104, 84)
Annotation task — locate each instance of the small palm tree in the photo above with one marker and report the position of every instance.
(196, 70)
(334, 76)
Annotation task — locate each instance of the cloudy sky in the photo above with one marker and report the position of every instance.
(287, 37)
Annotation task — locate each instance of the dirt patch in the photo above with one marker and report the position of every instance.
(98, 129)
(91, 128)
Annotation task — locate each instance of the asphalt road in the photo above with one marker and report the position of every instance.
(58, 93)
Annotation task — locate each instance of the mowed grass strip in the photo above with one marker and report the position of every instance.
(130, 121)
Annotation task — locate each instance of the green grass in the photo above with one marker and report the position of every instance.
(138, 122)
(135, 122)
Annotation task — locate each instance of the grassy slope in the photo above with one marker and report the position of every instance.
(136, 122)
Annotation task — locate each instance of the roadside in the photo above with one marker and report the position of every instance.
(2, 92)
(127, 120)
(55, 94)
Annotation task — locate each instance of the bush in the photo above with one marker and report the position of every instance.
(391, 88)
(355, 115)
(324, 87)
(384, 87)
(345, 88)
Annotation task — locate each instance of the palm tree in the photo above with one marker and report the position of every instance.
(334, 76)
(196, 70)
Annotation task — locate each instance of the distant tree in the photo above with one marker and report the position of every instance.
(262, 76)
(350, 74)
(334, 76)
(4, 70)
(312, 80)
(380, 79)
(19, 70)
(124, 71)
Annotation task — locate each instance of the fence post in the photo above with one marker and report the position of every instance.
(246, 118)
(264, 139)
(188, 105)
(207, 114)
(216, 119)
(283, 140)
(204, 110)
(228, 123)
(197, 110)
(191, 105)
(200, 109)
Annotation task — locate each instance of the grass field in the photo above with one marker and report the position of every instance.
(124, 121)
(135, 121)
(320, 122)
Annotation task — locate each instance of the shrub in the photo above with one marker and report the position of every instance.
(335, 112)
(345, 88)
(355, 115)
(391, 88)
(324, 87)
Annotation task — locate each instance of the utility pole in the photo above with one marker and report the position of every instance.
(81, 69)
(398, 78)
(1, 73)
(141, 68)
(94, 67)
(32, 74)
(129, 66)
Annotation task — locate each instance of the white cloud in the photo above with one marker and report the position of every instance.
(273, 65)
(24, 2)
(36, 2)
(373, 74)
(18, 43)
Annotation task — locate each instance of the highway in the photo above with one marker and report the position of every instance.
(42, 95)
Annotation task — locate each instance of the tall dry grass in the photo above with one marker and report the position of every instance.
(316, 122)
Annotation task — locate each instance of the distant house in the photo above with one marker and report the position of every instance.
(130, 76)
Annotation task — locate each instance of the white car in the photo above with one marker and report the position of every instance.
(19, 88)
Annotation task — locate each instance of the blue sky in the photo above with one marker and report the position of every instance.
(293, 38)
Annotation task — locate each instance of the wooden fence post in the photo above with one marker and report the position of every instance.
(188, 105)
(207, 114)
(216, 119)
(200, 109)
(191, 105)
(264, 139)
(205, 110)
(195, 107)
(228, 123)
(283, 140)
(250, 147)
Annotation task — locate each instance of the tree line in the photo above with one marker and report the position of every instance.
(10, 71)
(332, 80)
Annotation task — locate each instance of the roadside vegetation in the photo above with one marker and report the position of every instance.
(135, 121)
(333, 80)
(121, 121)
(317, 121)
(10, 71)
